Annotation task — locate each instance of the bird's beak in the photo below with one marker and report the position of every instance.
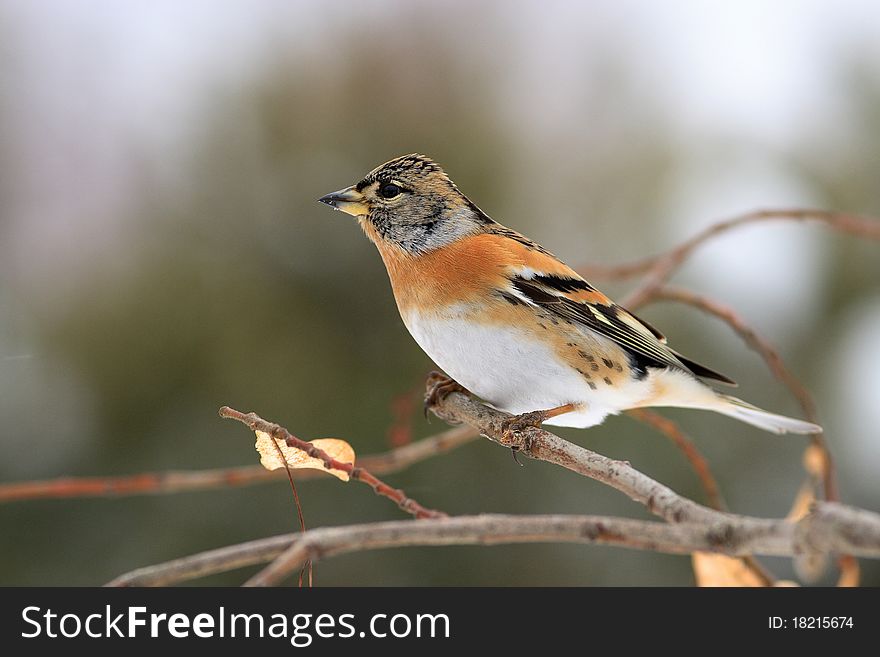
(348, 200)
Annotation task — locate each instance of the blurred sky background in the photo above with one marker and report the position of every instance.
(162, 253)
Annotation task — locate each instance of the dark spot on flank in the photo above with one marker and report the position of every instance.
(569, 344)
(607, 362)
(592, 385)
(584, 354)
(594, 367)
(555, 322)
(580, 371)
(543, 326)
(607, 380)
(618, 367)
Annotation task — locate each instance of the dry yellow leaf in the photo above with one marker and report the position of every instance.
(271, 457)
(721, 570)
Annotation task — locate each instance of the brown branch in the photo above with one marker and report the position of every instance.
(698, 462)
(256, 423)
(774, 362)
(830, 526)
(661, 266)
(181, 481)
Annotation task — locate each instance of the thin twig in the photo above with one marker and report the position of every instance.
(256, 423)
(774, 362)
(182, 481)
(700, 465)
(662, 265)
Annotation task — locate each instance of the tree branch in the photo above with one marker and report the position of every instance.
(182, 481)
(698, 462)
(545, 446)
(829, 526)
(775, 364)
(661, 266)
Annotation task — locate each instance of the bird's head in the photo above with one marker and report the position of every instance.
(411, 203)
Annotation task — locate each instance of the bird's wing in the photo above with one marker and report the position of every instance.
(542, 280)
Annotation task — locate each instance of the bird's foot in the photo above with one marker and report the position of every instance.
(439, 386)
(514, 428)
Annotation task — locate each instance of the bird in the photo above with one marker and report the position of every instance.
(509, 322)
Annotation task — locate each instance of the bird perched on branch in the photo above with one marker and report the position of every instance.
(513, 324)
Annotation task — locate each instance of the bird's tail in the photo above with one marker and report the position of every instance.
(679, 389)
(740, 410)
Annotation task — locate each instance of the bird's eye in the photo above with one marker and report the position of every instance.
(389, 190)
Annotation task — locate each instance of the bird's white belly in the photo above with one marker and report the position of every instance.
(511, 370)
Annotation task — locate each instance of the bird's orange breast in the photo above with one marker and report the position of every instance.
(461, 272)
(467, 270)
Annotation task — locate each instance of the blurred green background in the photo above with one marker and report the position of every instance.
(162, 253)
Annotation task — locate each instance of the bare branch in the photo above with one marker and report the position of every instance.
(544, 446)
(830, 526)
(661, 266)
(144, 483)
(182, 481)
(775, 364)
(827, 528)
(700, 465)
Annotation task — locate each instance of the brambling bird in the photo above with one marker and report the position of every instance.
(513, 324)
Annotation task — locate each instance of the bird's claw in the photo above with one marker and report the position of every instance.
(439, 385)
(512, 429)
